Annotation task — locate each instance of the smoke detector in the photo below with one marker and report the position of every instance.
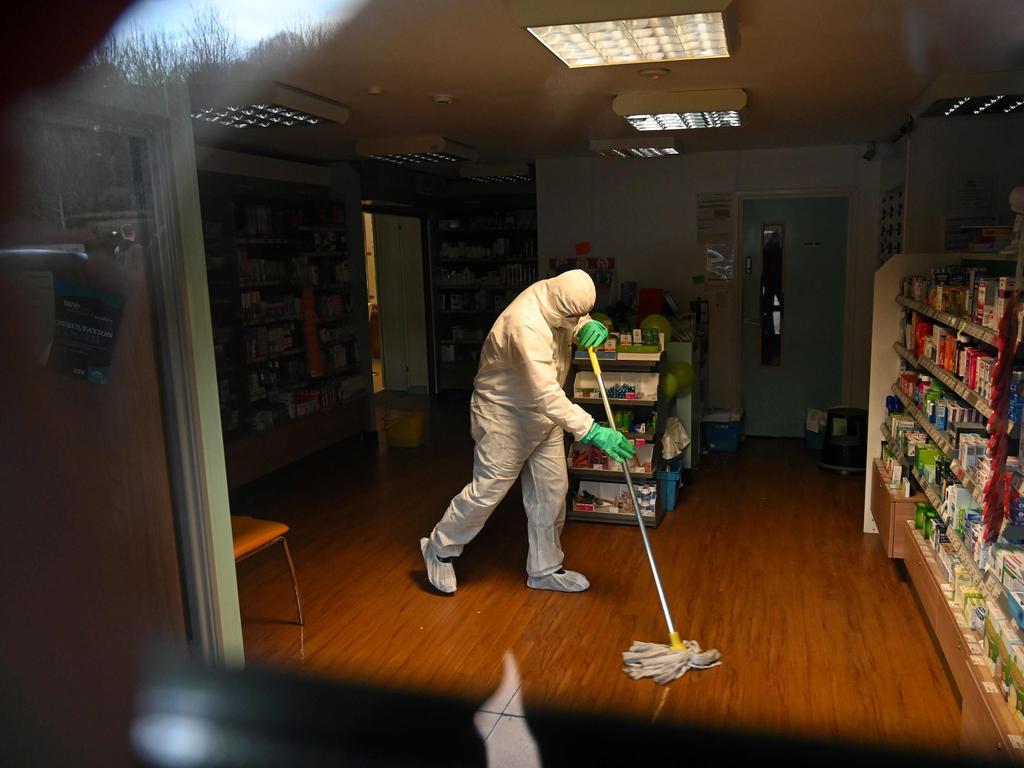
(654, 73)
(444, 99)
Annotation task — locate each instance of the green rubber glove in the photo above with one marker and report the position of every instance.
(611, 441)
(592, 334)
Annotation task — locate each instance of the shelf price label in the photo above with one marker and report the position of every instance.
(989, 687)
(979, 660)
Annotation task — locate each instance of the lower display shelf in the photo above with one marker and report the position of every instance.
(259, 453)
(987, 728)
(607, 475)
(619, 518)
(945, 443)
(613, 401)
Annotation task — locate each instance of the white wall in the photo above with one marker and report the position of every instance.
(643, 212)
(943, 152)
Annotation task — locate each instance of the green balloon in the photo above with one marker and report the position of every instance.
(661, 323)
(669, 385)
(601, 317)
(683, 373)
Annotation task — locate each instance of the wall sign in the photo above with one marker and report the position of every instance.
(85, 329)
(716, 234)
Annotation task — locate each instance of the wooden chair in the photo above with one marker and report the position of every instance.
(251, 536)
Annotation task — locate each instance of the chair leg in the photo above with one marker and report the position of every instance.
(295, 582)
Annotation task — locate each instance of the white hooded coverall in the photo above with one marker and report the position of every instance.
(518, 412)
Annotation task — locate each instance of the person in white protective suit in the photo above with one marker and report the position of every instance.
(518, 413)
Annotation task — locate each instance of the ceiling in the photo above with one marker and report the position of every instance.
(815, 71)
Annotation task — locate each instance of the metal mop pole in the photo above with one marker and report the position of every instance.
(676, 641)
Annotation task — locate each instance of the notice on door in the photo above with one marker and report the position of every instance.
(85, 328)
(716, 234)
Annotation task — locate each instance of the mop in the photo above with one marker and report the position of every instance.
(662, 663)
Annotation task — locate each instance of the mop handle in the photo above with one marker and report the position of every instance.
(636, 506)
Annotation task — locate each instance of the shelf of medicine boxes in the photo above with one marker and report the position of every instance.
(986, 581)
(894, 447)
(965, 654)
(953, 383)
(959, 324)
(906, 354)
(308, 382)
(944, 443)
(662, 408)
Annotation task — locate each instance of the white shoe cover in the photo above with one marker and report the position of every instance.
(560, 581)
(441, 575)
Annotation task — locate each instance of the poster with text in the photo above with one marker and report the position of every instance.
(85, 329)
(716, 235)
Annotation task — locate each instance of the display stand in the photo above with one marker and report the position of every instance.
(482, 257)
(289, 369)
(663, 407)
(987, 725)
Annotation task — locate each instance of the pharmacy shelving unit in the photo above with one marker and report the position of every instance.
(304, 285)
(663, 407)
(987, 726)
(483, 252)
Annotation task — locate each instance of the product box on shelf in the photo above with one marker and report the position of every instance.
(591, 457)
(595, 496)
(621, 385)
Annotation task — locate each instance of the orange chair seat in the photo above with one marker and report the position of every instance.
(251, 534)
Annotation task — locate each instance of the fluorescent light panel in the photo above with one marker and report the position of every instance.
(971, 94)
(641, 152)
(499, 179)
(262, 104)
(419, 151)
(678, 121)
(996, 104)
(633, 41)
(417, 158)
(681, 110)
(653, 146)
(492, 173)
(257, 116)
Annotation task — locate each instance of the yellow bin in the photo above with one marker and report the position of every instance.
(405, 430)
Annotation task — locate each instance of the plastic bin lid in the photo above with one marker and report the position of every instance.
(722, 415)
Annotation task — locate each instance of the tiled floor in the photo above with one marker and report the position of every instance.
(502, 724)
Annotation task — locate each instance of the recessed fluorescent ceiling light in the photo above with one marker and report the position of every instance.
(678, 121)
(491, 173)
(419, 151)
(417, 158)
(262, 105)
(630, 41)
(681, 110)
(497, 179)
(633, 148)
(976, 105)
(979, 93)
(256, 116)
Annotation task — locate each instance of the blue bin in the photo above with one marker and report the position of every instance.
(722, 429)
(668, 485)
(815, 440)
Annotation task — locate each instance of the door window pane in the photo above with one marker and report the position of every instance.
(772, 306)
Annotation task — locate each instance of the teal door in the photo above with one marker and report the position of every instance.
(793, 267)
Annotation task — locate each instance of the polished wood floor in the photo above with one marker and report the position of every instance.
(763, 559)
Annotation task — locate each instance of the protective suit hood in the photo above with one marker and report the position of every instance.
(563, 300)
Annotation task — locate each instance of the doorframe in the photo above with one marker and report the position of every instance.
(426, 219)
(849, 291)
(183, 347)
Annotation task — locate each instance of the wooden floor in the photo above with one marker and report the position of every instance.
(763, 558)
